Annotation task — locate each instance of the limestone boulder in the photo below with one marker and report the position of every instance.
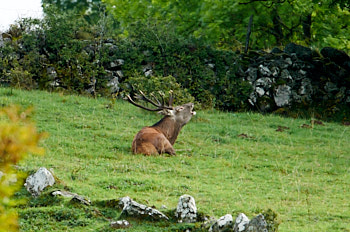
(241, 223)
(186, 210)
(225, 223)
(133, 208)
(37, 182)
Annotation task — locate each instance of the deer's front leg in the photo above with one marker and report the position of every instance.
(166, 147)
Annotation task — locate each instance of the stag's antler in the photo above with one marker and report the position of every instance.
(158, 104)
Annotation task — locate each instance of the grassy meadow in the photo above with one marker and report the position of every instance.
(229, 162)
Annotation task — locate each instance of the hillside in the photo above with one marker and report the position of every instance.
(229, 162)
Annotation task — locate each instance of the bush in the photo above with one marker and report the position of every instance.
(64, 52)
(152, 85)
(208, 74)
(18, 137)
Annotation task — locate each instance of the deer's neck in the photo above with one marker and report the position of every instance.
(169, 127)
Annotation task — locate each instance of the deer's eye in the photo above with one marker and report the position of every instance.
(180, 108)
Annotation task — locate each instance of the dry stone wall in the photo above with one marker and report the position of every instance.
(297, 76)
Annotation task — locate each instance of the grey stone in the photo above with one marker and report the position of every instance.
(113, 64)
(113, 85)
(286, 75)
(306, 88)
(149, 73)
(133, 208)
(252, 74)
(302, 72)
(275, 71)
(225, 223)
(74, 197)
(122, 224)
(211, 66)
(117, 63)
(257, 224)
(120, 73)
(264, 82)
(282, 95)
(288, 61)
(51, 72)
(260, 91)
(265, 71)
(241, 223)
(186, 210)
(37, 182)
(252, 98)
(120, 62)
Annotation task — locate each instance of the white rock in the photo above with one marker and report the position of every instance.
(37, 182)
(282, 95)
(120, 224)
(73, 196)
(265, 71)
(222, 224)
(211, 66)
(120, 73)
(241, 223)
(149, 73)
(120, 61)
(133, 208)
(186, 210)
(113, 85)
(260, 91)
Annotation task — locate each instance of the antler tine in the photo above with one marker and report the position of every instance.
(141, 106)
(143, 97)
(152, 95)
(171, 98)
(161, 94)
(149, 100)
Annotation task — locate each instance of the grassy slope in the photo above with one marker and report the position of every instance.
(302, 174)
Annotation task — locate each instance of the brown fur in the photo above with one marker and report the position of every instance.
(160, 137)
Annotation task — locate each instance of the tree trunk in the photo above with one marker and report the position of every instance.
(277, 27)
(306, 23)
(249, 30)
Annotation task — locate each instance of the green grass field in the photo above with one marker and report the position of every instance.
(302, 174)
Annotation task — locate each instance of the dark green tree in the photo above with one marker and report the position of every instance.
(224, 22)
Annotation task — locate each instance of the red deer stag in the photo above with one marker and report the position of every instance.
(160, 137)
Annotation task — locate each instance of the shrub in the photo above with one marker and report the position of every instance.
(18, 137)
(152, 85)
(207, 73)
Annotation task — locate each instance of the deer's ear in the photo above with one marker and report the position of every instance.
(166, 112)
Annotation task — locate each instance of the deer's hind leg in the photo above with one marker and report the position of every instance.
(145, 148)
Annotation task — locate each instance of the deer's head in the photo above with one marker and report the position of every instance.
(180, 114)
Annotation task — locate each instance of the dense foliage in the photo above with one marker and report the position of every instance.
(66, 52)
(18, 136)
(224, 22)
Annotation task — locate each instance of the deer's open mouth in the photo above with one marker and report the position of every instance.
(193, 112)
